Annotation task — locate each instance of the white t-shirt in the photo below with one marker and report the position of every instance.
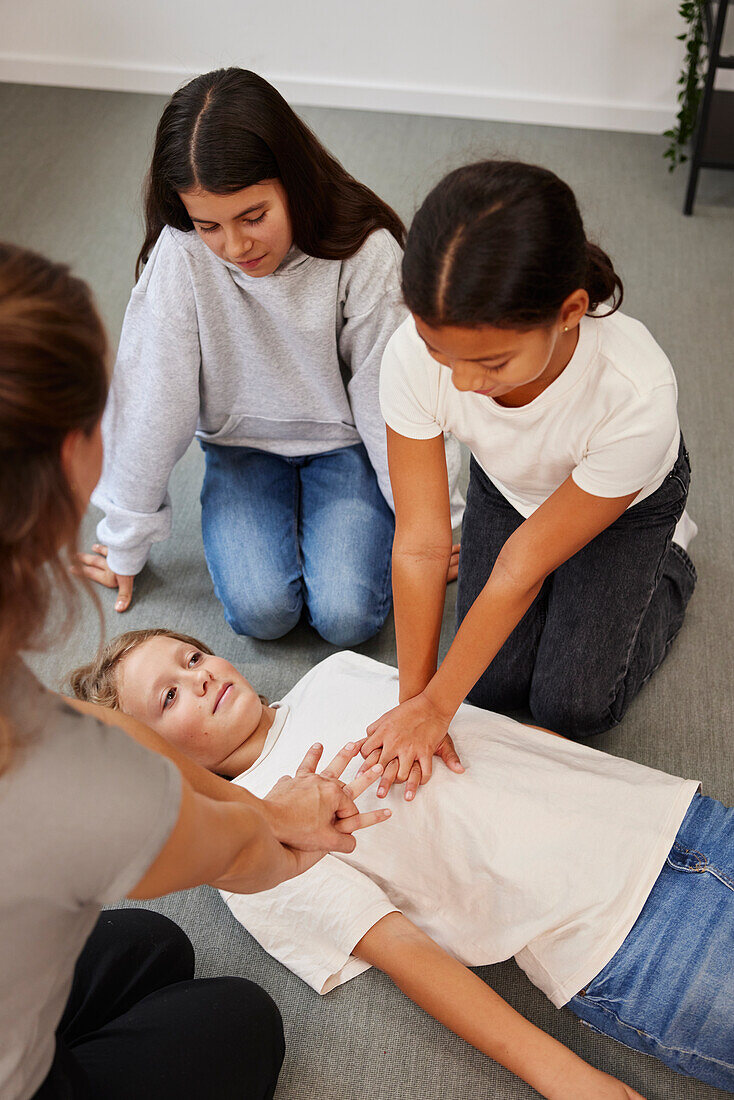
(609, 419)
(544, 849)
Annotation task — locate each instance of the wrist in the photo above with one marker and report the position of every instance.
(275, 817)
(443, 707)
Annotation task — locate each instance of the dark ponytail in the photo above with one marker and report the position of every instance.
(502, 243)
(230, 129)
(602, 281)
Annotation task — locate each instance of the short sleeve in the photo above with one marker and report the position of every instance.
(634, 447)
(409, 386)
(108, 805)
(311, 923)
(372, 310)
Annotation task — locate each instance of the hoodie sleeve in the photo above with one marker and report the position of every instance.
(152, 409)
(372, 309)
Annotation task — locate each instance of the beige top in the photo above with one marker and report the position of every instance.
(84, 811)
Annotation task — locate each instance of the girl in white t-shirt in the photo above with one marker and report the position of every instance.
(571, 583)
(576, 863)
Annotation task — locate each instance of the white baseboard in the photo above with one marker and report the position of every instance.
(638, 118)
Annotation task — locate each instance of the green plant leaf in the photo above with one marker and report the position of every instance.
(690, 82)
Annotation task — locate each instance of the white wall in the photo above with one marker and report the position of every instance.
(611, 65)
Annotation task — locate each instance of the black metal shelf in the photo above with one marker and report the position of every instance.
(717, 148)
(713, 145)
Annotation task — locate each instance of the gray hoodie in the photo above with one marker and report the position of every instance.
(288, 364)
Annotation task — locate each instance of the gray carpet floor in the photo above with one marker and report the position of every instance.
(71, 165)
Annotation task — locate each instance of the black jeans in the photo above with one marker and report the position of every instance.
(137, 1025)
(602, 622)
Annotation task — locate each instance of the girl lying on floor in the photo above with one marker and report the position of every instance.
(576, 863)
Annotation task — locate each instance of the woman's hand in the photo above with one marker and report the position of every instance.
(404, 741)
(95, 567)
(317, 813)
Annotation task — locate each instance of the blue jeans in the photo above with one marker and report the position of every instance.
(602, 622)
(669, 990)
(281, 534)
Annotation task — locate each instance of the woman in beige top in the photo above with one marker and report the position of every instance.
(90, 1005)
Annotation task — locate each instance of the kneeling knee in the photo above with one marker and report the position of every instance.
(572, 714)
(243, 1005)
(346, 624)
(266, 619)
(150, 938)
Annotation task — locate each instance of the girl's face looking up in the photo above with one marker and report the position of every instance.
(250, 228)
(198, 702)
(512, 366)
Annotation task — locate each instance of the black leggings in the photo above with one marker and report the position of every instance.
(137, 1025)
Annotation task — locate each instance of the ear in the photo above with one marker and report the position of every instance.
(70, 454)
(573, 309)
(81, 461)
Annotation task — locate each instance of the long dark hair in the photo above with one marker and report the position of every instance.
(52, 381)
(502, 243)
(230, 129)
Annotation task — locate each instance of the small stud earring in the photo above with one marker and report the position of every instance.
(565, 328)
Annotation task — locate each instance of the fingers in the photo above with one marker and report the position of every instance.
(100, 549)
(371, 729)
(370, 762)
(96, 560)
(426, 763)
(349, 825)
(413, 781)
(453, 570)
(449, 755)
(362, 780)
(335, 768)
(124, 593)
(344, 842)
(388, 778)
(310, 760)
(95, 568)
(406, 763)
(370, 744)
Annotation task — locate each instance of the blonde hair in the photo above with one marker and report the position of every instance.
(97, 683)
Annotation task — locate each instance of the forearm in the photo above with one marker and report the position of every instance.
(419, 592)
(457, 998)
(495, 613)
(221, 843)
(257, 860)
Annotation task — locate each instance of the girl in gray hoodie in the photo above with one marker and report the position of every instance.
(270, 286)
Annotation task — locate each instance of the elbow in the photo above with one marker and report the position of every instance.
(428, 553)
(415, 545)
(424, 565)
(517, 575)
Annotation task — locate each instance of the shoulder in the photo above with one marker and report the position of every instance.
(168, 257)
(73, 756)
(339, 677)
(405, 341)
(375, 269)
(631, 358)
(86, 808)
(381, 249)
(178, 264)
(406, 353)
